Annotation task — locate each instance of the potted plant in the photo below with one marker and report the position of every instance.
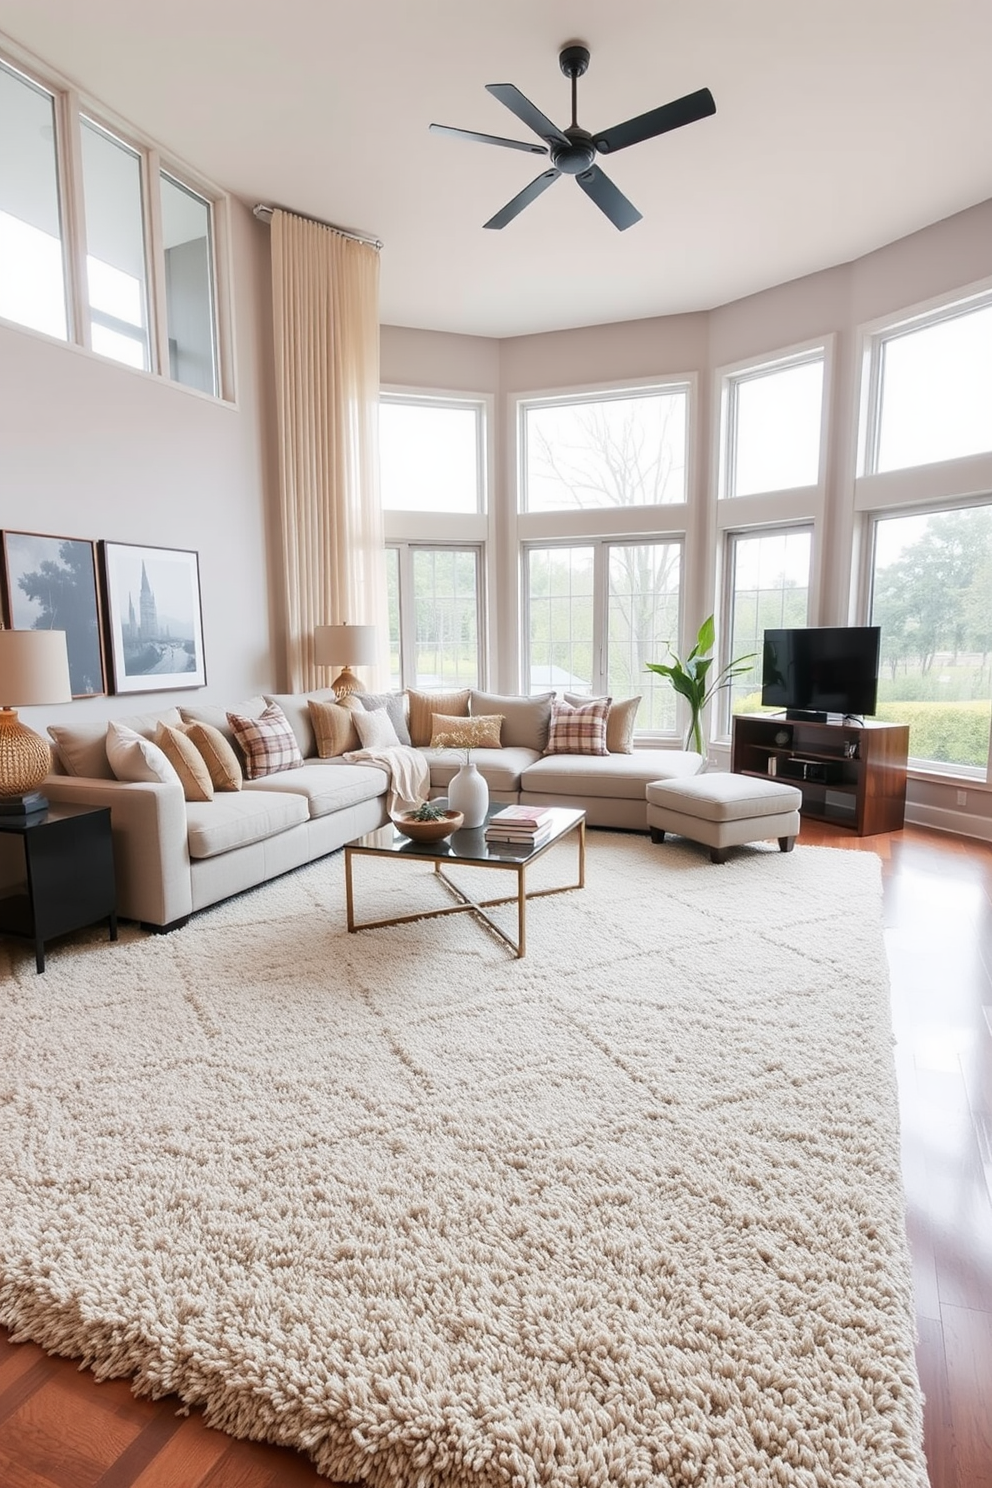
(690, 678)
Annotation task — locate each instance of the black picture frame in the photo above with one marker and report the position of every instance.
(52, 583)
(154, 617)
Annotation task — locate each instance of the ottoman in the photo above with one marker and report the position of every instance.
(724, 811)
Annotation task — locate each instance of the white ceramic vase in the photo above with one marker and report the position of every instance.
(469, 794)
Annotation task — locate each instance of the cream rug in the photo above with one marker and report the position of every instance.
(627, 1212)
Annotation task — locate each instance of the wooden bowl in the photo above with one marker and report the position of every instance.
(429, 831)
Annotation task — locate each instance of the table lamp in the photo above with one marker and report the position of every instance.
(345, 646)
(34, 670)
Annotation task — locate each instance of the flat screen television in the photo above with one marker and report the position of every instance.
(821, 670)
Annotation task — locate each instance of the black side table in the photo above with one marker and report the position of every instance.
(69, 863)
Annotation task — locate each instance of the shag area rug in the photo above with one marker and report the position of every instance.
(625, 1212)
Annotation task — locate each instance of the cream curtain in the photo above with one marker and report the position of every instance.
(325, 299)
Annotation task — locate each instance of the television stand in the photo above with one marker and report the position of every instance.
(850, 774)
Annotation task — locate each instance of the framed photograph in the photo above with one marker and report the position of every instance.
(154, 621)
(50, 583)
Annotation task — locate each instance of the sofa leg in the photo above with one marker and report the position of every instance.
(718, 854)
(657, 835)
(166, 929)
(786, 844)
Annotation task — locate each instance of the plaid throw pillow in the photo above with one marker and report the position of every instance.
(267, 742)
(578, 730)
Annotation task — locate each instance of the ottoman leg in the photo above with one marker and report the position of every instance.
(718, 854)
(786, 844)
(657, 835)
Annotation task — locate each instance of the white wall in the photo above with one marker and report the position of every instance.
(92, 449)
(940, 259)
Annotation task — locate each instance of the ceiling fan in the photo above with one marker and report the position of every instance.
(573, 150)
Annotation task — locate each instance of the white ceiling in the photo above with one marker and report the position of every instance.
(840, 126)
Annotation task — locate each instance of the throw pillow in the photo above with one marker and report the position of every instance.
(334, 726)
(578, 730)
(619, 722)
(217, 754)
(82, 748)
(394, 704)
(268, 742)
(375, 729)
(525, 719)
(188, 763)
(133, 757)
(466, 733)
(423, 706)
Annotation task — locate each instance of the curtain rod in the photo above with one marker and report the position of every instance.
(264, 214)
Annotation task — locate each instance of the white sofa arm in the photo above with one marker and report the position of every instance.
(151, 857)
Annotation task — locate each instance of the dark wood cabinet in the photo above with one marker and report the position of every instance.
(68, 875)
(851, 775)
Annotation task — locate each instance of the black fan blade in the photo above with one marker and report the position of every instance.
(523, 198)
(608, 198)
(488, 139)
(527, 112)
(685, 110)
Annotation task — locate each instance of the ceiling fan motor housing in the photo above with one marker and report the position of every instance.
(578, 155)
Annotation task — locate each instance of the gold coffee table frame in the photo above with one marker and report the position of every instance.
(472, 849)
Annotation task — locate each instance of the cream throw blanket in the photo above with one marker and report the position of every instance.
(408, 771)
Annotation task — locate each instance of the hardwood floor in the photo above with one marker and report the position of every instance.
(60, 1429)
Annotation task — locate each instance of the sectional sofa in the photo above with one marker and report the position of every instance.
(175, 856)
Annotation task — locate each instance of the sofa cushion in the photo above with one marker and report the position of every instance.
(501, 768)
(135, 758)
(187, 761)
(394, 704)
(267, 742)
(252, 707)
(217, 754)
(481, 732)
(327, 785)
(622, 776)
(619, 721)
(240, 818)
(82, 748)
(334, 726)
(423, 706)
(578, 730)
(526, 720)
(296, 707)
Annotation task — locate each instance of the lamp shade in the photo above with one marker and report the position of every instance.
(344, 645)
(34, 668)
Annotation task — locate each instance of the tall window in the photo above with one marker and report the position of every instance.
(32, 267)
(932, 390)
(772, 427)
(931, 583)
(600, 451)
(436, 592)
(432, 455)
(134, 225)
(596, 613)
(768, 588)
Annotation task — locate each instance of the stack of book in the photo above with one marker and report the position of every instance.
(526, 826)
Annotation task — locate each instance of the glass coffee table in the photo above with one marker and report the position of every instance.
(470, 848)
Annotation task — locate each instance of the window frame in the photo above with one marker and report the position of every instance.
(406, 603)
(71, 105)
(731, 381)
(481, 406)
(601, 546)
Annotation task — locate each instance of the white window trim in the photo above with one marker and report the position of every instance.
(729, 377)
(405, 547)
(69, 104)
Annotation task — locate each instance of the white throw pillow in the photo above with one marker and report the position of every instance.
(133, 757)
(375, 729)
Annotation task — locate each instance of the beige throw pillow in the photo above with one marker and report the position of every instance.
(188, 763)
(619, 721)
(375, 729)
(334, 727)
(135, 758)
(217, 754)
(423, 706)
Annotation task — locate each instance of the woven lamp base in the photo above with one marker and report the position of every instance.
(25, 758)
